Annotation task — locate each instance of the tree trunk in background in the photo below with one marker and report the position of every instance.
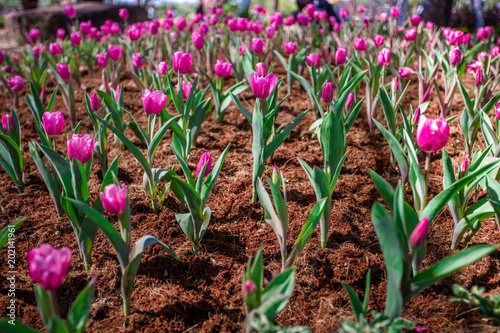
(439, 12)
(276, 3)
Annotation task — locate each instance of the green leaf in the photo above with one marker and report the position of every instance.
(79, 312)
(280, 285)
(16, 327)
(357, 308)
(4, 234)
(278, 140)
(157, 138)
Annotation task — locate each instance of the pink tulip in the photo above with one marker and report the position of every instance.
(55, 49)
(223, 68)
(123, 13)
(419, 234)
(102, 60)
(117, 92)
(197, 40)
(85, 27)
(60, 33)
(290, 47)
(16, 83)
(464, 166)
(343, 13)
(432, 134)
(349, 101)
(378, 40)
(430, 25)
(63, 71)
(114, 199)
(455, 56)
(80, 147)
(327, 94)
(415, 20)
(115, 52)
(262, 86)
(257, 45)
(313, 58)
(360, 44)
(6, 119)
(133, 32)
(182, 62)
(289, 20)
(43, 96)
(53, 122)
(48, 266)
(15, 57)
(75, 38)
(181, 23)
(205, 158)
(95, 105)
(382, 17)
(362, 9)
(394, 11)
(261, 69)
(340, 55)
(162, 68)
(405, 71)
(270, 32)
(479, 77)
(137, 60)
(115, 28)
(411, 35)
(495, 51)
(497, 110)
(186, 89)
(249, 289)
(384, 57)
(153, 102)
(70, 11)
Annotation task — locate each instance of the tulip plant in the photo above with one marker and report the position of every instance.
(488, 306)
(92, 105)
(293, 63)
(265, 89)
(277, 218)
(38, 108)
(195, 194)
(9, 230)
(63, 79)
(115, 201)
(11, 157)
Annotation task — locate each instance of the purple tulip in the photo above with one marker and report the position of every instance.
(327, 94)
(186, 89)
(262, 86)
(182, 62)
(270, 32)
(114, 199)
(153, 102)
(313, 58)
(394, 11)
(415, 20)
(115, 52)
(257, 45)
(55, 48)
(48, 266)
(261, 69)
(63, 71)
(6, 119)
(197, 40)
(2, 57)
(378, 40)
(53, 122)
(384, 57)
(137, 60)
(455, 56)
(349, 101)
(85, 27)
(75, 38)
(419, 234)
(70, 11)
(102, 60)
(290, 47)
(478, 80)
(162, 68)
(205, 158)
(123, 13)
(16, 83)
(80, 147)
(432, 134)
(340, 55)
(222, 68)
(405, 71)
(95, 104)
(360, 44)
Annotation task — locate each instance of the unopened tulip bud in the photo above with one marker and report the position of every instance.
(6, 121)
(394, 11)
(395, 83)
(350, 100)
(498, 110)
(384, 57)
(340, 55)
(205, 158)
(416, 116)
(479, 77)
(162, 68)
(63, 71)
(419, 234)
(80, 147)
(249, 289)
(114, 198)
(53, 123)
(405, 71)
(95, 105)
(137, 60)
(464, 166)
(276, 178)
(43, 96)
(182, 62)
(455, 56)
(327, 95)
(117, 92)
(261, 69)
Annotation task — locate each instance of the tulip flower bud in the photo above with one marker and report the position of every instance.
(75, 38)
(198, 41)
(262, 86)
(405, 71)
(186, 89)
(349, 101)
(432, 134)
(63, 71)
(53, 123)
(249, 289)
(43, 96)
(411, 35)
(464, 166)
(6, 120)
(395, 83)
(384, 57)
(257, 45)
(343, 13)
(162, 68)
(123, 13)
(48, 266)
(80, 147)
(276, 178)
(114, 198)
(479, 77)
(55, 48)
(378, 40)
(498, 110)
(117, 92)
(95, 105)
(340, 55)
(182, 62)
(416, 116)
(223, 69)
(205, 158)
(153, 102)
(102, 60)
(290, 47)
(415, 20)
(313, 58)
(360, 44)
(60, 33)
(137, 60)
(394, 11)
(261, 69)
(455, 56)
(327, 95)
(419, 234)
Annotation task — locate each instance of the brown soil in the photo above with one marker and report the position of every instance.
(202, 292)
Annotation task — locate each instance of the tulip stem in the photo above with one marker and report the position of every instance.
(427, 164)
(53, 303)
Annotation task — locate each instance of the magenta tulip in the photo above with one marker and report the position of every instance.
(249, 289)
(43, 96)
(197, 40)
(415, 20)
(360, 44)
(16, 83)
(205, 158)
(60, 33)
(55, 48)
(455, 56)
(257, 45)
(181, 23)
(186, 89)
(53, 122)
(313, 58)
(95, 105)
(63, 71)
(327, 94)
(405, 71)
(432, 134)
(85, 27)
(75, 38)
(464, 166)
(340, 55)
(497, 110)
(223, 68)
(394, 11)
(478, 80)
(102, 60)
(411, 35)
(6, 120)
(262, 86)
(378, 40)
(162, 68)
(123, 13)
(80, 147)
(48, 266)
(182, 62)
(349, 101)
(114, 199)
(133, 32)
(419, 234)
(115, 52)
(261, 69)
(343, 13)
(70, 11)
(153, 102)
(384, 57)
(137, 60)
(290, 47)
